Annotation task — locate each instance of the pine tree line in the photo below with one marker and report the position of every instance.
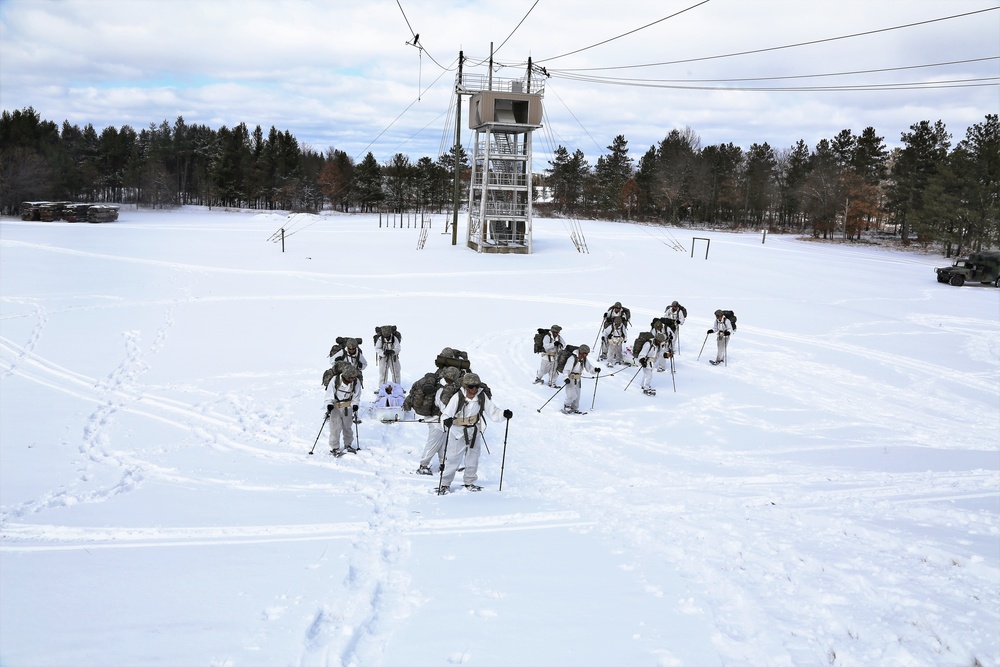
(925, 191)
(170, 165)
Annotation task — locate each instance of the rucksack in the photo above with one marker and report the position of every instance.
(731, 316)
(626, 315)
(332, 374)
(378, 334)
(564, 355)
(539, 339)
(682, 309)
(639, 342)
(452, 357)
(420, 398)
(341, 342)
(670, 324)
(334, 370)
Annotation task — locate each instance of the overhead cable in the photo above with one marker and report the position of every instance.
(624, 34)
(515, 27)
(609, 79)
(774, 48)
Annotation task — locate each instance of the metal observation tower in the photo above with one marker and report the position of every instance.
(503, 112)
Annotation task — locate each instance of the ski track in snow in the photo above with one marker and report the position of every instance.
(727, 526)
(855, 595)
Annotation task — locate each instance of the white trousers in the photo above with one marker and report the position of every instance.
(459, 450)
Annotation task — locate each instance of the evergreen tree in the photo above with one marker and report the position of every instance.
(612, 172)
(368, 183)
(925, 147)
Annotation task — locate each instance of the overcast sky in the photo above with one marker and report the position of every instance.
(341, 74)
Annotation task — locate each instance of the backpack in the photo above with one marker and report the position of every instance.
(731, 316)
(452, 357)
(609, 316)
(669, 324)
(378, 334)
(334, 370)
(682, 309)
(639, 342)
(333, 374)
(539, 338)
(420, 398)
(564, 355)
(340, 343)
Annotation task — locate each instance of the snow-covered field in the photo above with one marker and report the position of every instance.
(831, 497)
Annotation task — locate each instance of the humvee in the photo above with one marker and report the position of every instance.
(983, 267)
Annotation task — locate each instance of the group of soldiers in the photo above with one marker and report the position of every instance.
(344, 382)
(654, 351)
(461, 400)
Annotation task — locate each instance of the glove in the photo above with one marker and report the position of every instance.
(448, 421)
(557, 345)
(354, 409)
(668, 355)
(329, 408)
(507, 414)
(566, 381)
(726, 333)
(643, 362)
(710, 331)
(597, 370)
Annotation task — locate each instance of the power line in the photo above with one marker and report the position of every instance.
(774, 48)
(587, 132)
(624, 34)
(386, 129)
(406, 19)
(515, 27)
(416, 38)
(603, 79)
(926, 85)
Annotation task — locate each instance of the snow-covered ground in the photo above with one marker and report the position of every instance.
(830, 497)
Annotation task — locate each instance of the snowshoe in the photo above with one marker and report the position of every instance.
(649, 392)
(473, 487)
(352, 450)
(425, 470)
(714, 362)
(539, 380)
(337, 452)
(442, 490)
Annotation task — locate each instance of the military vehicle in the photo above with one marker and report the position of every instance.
(983, 267)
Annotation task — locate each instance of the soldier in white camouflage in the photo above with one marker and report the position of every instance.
(447, 387)
(552, 342)
(342, 397)
(574, 368)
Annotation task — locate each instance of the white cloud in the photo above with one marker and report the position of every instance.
(339, 74)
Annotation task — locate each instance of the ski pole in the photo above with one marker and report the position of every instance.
(326, 418)
(357, 432)
(550, 398)
(703, 344)
(444, 460)
(503, 458)
(597, 378)
(633, 379)
(673, 373)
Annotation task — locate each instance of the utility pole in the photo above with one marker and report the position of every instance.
(457, 149)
